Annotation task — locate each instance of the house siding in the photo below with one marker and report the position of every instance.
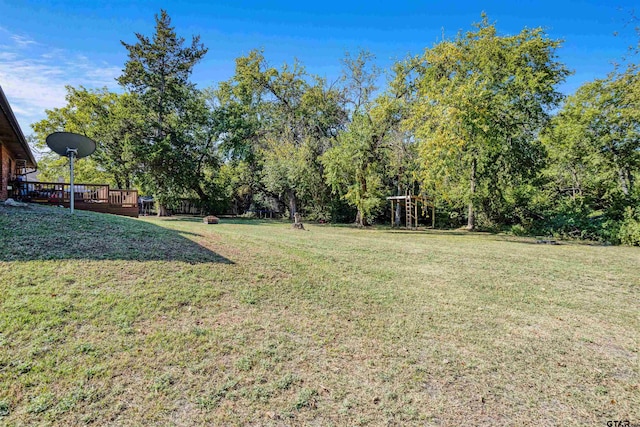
(5, 172)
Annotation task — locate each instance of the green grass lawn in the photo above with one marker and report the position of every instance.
(174, 322)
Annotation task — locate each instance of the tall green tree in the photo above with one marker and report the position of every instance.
(178, 130)
(479, 102)
(280, 121)
(358, 163)
(354, 167)
(238, 110)
(589, 185)
(304, 117)
(594, 142)
(110, 119)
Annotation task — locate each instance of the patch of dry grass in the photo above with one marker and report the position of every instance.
(254, 323)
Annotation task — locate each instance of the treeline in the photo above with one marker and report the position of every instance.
(475, 122)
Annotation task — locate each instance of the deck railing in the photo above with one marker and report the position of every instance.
(126, 198)
(53, 192)
(86, 196)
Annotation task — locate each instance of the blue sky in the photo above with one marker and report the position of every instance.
(45, 45)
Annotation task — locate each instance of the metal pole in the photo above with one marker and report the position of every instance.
(71, 189)
(71, 153)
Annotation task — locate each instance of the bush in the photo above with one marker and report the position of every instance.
(578, 223)
(629, 232)
(317, 213)
(518, 230)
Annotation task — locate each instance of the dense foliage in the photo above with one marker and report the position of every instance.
(475, 123)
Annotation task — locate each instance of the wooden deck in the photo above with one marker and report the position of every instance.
(89, 197)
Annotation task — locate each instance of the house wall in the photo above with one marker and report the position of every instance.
(5, 171)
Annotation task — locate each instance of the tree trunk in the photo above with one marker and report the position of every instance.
(623, 181)
(472, 189)
(361, 220)
(204, 199)
(162, 210)
(293, 206)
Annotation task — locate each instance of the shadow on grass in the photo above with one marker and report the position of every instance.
(430, 231)
(50, 233)
(526, 240)
(228, 220)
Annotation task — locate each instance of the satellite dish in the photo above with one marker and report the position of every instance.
(64, 142)
(74, 146)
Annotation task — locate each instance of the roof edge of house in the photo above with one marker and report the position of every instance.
(8, 112)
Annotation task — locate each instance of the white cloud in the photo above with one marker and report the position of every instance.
(21, 40)
(34, 76)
